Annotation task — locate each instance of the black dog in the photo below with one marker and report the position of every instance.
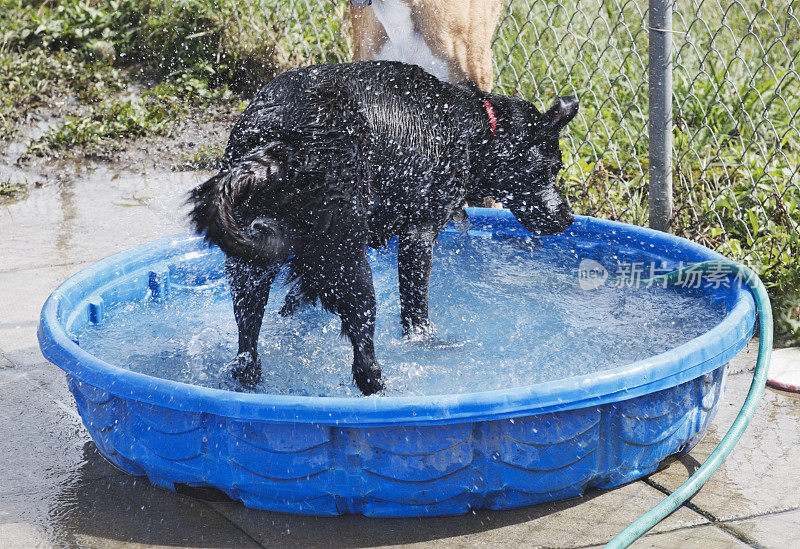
(330, 159)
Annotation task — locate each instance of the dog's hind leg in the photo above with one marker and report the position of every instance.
(344, 286)
(355, 304)
(249, 284)
(414, 260)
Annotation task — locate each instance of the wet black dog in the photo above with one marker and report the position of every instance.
(330, 159)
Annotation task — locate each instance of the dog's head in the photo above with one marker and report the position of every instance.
(523, 161)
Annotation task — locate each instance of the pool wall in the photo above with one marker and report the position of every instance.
(404, 470)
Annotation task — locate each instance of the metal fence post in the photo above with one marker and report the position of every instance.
(660, 113)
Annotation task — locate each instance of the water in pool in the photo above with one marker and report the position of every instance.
(505, 314)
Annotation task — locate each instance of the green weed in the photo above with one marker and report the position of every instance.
(10, 192)
(206, 157)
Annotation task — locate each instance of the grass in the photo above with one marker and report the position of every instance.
(10, 192)
(206, 157)
(191, 54)
(737, 146)
(107, 123)
(33, 78)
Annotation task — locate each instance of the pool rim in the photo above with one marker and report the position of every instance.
(688, 361)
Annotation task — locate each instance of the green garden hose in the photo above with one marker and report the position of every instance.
(655, 515)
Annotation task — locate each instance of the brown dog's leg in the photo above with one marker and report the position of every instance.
(368, 34)
(414, 259)
(249, 284)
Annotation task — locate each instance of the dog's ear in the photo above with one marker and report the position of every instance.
(563, 110)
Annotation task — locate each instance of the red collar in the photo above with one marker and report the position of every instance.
(490, 114)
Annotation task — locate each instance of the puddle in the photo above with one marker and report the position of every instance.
(85, 214)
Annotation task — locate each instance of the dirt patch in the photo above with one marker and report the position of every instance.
(192, 143)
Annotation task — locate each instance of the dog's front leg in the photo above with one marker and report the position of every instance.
(249, 284)
(414, 259)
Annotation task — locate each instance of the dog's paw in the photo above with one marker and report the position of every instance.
(418, 332)
(368, 379)
(245, 370)
(426, 338)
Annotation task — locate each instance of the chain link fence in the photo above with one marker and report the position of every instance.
(737, 128)
(736, 123)
(596, 50)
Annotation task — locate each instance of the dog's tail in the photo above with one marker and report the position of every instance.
(214, 204)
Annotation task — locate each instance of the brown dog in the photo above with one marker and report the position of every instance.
(450, 39)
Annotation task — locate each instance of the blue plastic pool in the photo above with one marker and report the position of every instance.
(397, 455)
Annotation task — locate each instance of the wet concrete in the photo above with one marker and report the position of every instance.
(24, 292)
(88, 214)
(56, 490)
(704, 537)
(593, 518)
(761, 474)
(118, 512)
(775, 531)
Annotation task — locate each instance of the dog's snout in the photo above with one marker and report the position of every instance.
(544, 213)
(360, 3)
(564, 218)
